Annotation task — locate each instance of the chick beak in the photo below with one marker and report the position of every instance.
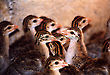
(39, 21)
(68, 40)
(58, 31)
(15, 26)
(89, 20)
(62, 32)
(59, 26)
(54, 39)
(64, 64)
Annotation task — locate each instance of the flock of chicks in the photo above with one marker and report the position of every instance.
(47, 48)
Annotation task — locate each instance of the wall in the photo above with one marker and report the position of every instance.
(62, 11)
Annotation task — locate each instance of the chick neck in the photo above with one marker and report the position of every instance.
(6, 45)
(55, 72)
(72, 51)
(44, 50)
(76, 48)
(83, 44)
(33, 32)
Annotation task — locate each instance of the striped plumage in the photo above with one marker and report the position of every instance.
(81, 61)
(80, 22)
(51, 26)
(48, 24)
(45, 22)
(40, 51)
(63, 39)
(56, 49)
(106, 52)
(43, 37)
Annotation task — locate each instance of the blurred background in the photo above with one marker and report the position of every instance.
(63, 12)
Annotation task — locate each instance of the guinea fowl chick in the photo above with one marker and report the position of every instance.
(57, 66)
(63, 39)
(75, 47)
(106, 52)
(106, 49)
(48, 25)
(44, 37)
(30, 22)
(81, 61)
(6, 30)
(80, 22)
(24, 54)
(56, 49)
(51, 26)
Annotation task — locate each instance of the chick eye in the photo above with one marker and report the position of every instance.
(40, 40)
(46, 36)
(61, 39)
(84, 21)
(53, 24)
(72, 32)
(34, 21)
(9, 28)
(56, 62)
(79, 35)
